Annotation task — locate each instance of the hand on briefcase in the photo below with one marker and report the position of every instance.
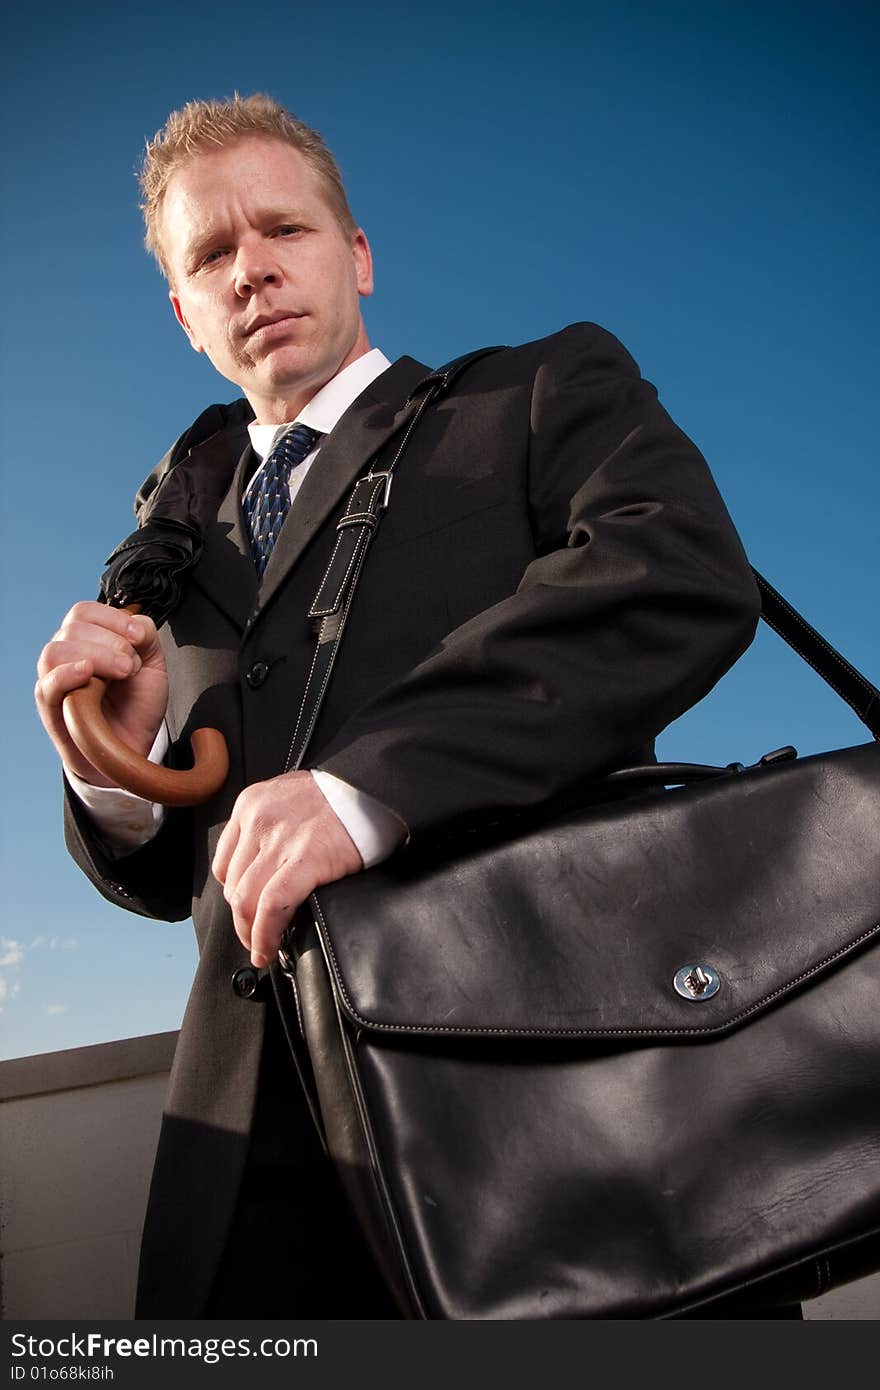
(623, 1064)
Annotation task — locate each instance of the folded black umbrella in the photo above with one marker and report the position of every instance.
(148, 567)
(173, 507)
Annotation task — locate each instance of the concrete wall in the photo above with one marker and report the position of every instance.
(78, 1131)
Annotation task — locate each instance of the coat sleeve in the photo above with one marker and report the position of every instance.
(154, 881)
(638, 598)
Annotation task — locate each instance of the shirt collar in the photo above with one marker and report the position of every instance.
(329, 404)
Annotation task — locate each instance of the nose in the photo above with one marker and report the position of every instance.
(254, 267)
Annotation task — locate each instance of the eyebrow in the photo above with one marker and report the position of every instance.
(271, 217)
(195, 249)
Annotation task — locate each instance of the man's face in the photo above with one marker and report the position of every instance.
(264, 279)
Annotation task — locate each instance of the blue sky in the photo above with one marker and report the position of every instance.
(700, 178)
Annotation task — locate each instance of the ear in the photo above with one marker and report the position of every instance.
(363, 263)
(184, 322)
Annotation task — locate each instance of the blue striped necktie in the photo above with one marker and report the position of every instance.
(268, 500)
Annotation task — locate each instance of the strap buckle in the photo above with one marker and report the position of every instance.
(387, 474)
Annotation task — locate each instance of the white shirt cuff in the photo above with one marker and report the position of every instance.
(376, 831)
(127, 822)
(124, 821)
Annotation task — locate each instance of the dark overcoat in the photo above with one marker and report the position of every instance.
(555, 580)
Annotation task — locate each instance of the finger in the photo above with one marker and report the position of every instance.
(107, 659)
(241, 889)
(116, 620)
(91, 635)
(105, 623)
(50, 692)
(279, 899)
(251, 864)
(226, 845)
(244, 883)
(58, 681)
(145, 635)
(240, 840)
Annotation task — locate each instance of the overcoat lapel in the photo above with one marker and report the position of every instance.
(377, 414)
(226, 569)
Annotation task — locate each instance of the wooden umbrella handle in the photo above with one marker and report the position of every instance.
(88, 727)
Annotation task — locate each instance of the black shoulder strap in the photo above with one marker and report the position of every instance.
(862, 697)
(355, 530)
(442, 378)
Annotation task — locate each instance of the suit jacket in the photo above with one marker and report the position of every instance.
(555, 580)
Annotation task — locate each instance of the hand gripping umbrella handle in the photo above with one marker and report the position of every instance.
(87, 726)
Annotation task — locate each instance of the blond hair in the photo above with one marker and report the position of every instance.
(202, 126)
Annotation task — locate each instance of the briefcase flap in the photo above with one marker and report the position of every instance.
(684, 912)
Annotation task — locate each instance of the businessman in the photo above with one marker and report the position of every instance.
(555, 580)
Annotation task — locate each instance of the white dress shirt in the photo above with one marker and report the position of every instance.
(125, 821)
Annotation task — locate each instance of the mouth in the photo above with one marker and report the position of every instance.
(282, 316)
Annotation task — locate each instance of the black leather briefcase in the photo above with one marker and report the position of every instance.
(621, 1064)
(618, 1066)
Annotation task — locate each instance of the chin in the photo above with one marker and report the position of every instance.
(288, 363)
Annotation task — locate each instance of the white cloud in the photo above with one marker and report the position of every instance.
(11, 955)
(53, 943)
(7, 991)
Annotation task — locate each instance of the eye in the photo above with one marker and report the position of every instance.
(211, 256)
(288, 229)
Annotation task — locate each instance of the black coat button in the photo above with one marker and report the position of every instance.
(246, 982)
(257, 674)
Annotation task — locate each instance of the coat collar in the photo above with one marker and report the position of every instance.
(226, 571)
